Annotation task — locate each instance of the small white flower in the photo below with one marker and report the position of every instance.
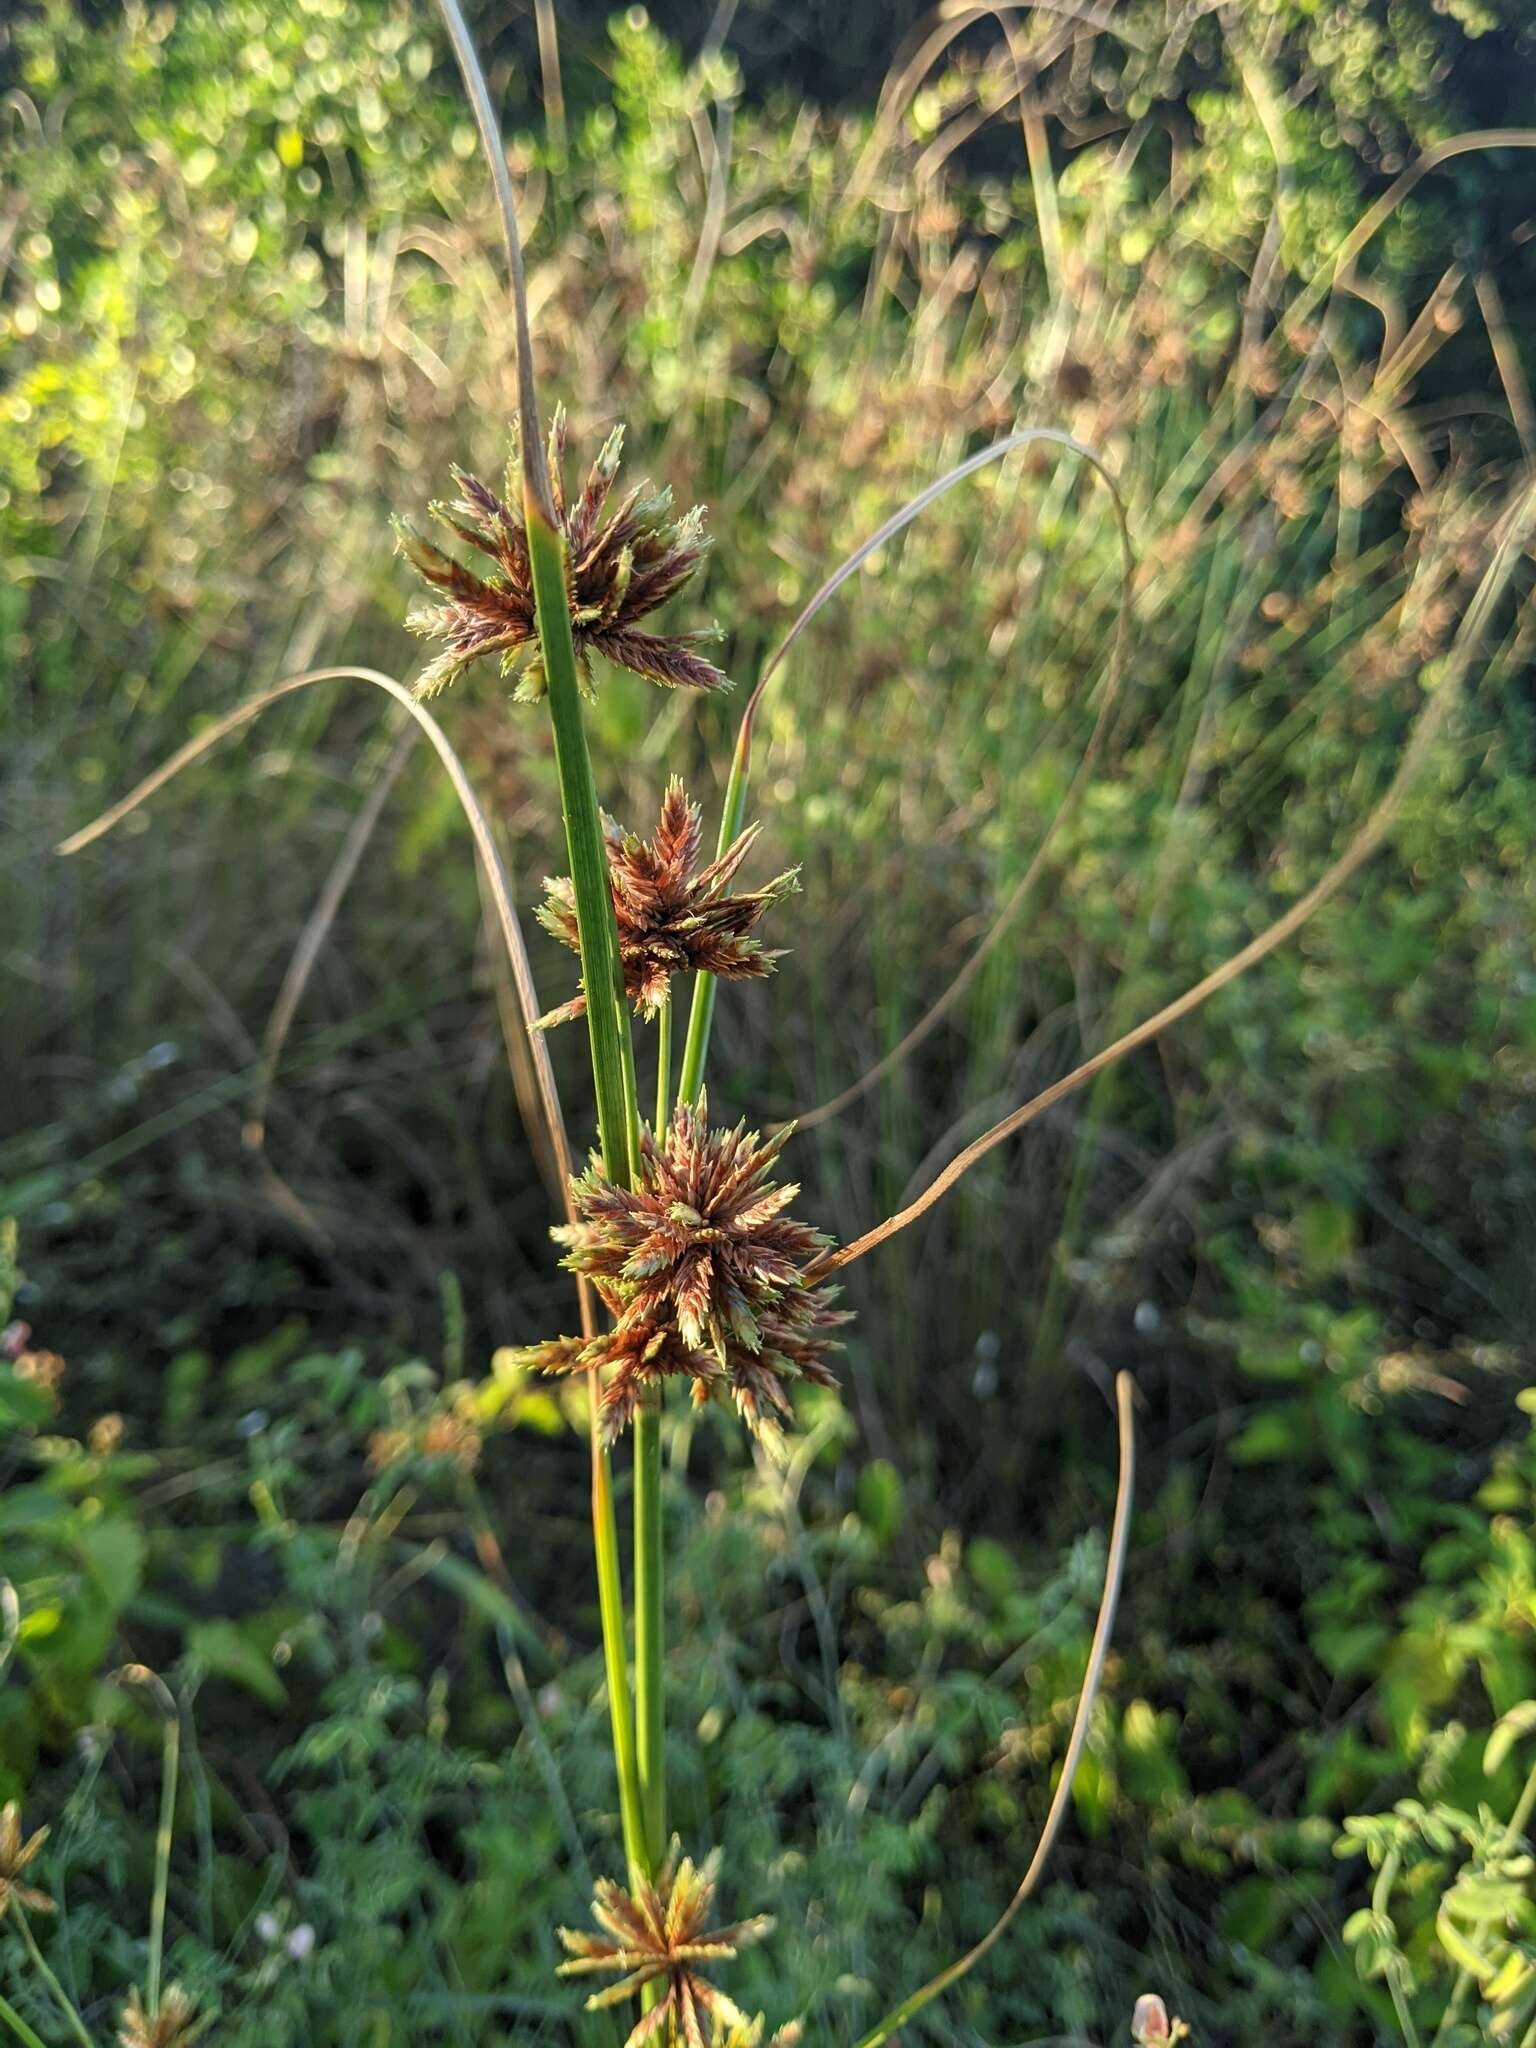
(301, 1941)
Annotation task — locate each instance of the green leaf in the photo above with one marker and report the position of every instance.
(113, 1553)
(224, 1649)
(1508, 1730)
(880, 1500)
(1275, 1433)
(23, 1404)
(1461, 1951)
(1479, 1900)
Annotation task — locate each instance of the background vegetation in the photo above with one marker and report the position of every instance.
(249, 306)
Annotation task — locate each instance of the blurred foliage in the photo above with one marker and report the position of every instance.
(250, 304)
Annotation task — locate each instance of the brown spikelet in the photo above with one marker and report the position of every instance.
(15, 1855)
(174, 2025)
(629, 1358)
(673, 916)
(617, 572)
(701, 1238)
(659, 1935)
(704, 1276)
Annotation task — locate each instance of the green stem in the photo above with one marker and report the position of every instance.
(663, 1066)
(597, 933)
(631, 1107)
(597, 930)
(40, 1963)
(701, 1013)
(18, 2025)
(650, 1625)
(650, 1638)
(610, 1597)
(613, 1074)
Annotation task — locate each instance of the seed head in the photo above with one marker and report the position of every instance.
(673, 917)
(636, 1355)
(15, 1855)
(617, 571)
(703, 1274)
(659, 1933)
(173, 2026)
(701, 1239)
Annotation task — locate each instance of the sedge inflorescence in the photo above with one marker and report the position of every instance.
(659, 1934)
(173, 2023)
(673, 916)
(618, 571)
(704, 1273)
(16, 1852)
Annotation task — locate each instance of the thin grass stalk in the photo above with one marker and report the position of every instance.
(663, 1064)
(18, 2026)
(650, 1562)
(604, 1521)
(613, 1077)
(39, 1961)
(650, 1632)
(613, 1071)
(170, 1771)
(702, 1010)
(1093, 1676)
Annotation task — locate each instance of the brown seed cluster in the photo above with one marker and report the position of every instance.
(673, 916)
(15, 1855)
(660, 1934)
(704, 1274)
(173, 2025)
(618, 570)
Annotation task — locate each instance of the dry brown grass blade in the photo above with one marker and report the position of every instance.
(536, 484)
(1019, 895)
(1430, 724)
(515, 1036)
(1506, 356)
(914, 509)
(1336, 270)
(1093, 1677)
(480, 830)
(316, 931)
(928, 42)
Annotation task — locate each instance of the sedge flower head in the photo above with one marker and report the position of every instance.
(15, 1855)
(636, 1355)
(659, 1934)
(701, 1240)
(174, 2025)
(629, 1359)
(618, 570)
(674, 917)
(706, 1277)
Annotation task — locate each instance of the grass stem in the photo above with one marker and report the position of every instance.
(170, 1770)
(663, 1066)
(650, 1637)
(40, 1963)
(18, 2026)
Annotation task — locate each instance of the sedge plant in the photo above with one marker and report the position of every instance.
(694, 1279)
(682, 1231)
